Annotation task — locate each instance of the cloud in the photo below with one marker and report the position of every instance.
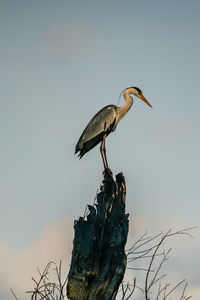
(184, 257)
(195, 292)
(17, 268)
(55, 243)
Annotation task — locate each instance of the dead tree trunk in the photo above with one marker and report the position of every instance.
(98, 257)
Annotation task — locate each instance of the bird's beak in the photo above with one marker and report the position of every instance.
(145, 100)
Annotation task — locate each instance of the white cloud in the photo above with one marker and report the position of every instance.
(17, 268)
(55, 243)
(184, 257)
(195, 292)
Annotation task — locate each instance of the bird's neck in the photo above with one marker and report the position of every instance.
(122, 111)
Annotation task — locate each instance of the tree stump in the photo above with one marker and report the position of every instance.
(98, 258)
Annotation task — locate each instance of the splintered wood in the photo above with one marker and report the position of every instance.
(98, 257)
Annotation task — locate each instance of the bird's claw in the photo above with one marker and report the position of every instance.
(107, 171)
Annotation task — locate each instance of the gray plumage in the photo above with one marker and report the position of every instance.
(103, 123)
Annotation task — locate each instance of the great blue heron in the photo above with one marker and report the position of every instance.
(104, 122)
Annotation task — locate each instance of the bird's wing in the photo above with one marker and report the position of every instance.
(100, 123)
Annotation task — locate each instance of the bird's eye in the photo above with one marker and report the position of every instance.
(139, 93)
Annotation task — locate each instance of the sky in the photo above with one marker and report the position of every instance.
(61, 62)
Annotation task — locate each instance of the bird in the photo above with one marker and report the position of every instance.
(104, 122)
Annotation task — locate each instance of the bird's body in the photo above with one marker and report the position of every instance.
(104, 122)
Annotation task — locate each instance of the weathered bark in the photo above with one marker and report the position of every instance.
(98, 257)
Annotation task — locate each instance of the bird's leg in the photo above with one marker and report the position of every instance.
(105, 157)
(104, 151)
(101, 151)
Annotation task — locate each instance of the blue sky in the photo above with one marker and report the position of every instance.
(62, 61)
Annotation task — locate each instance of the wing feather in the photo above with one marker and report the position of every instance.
(99, 124)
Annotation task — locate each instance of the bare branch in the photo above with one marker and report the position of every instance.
(14, 294)
(45, 289)
(138, 252)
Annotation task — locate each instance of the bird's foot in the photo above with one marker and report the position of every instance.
(107, 171)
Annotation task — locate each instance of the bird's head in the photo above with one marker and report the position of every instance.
(137, 92)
